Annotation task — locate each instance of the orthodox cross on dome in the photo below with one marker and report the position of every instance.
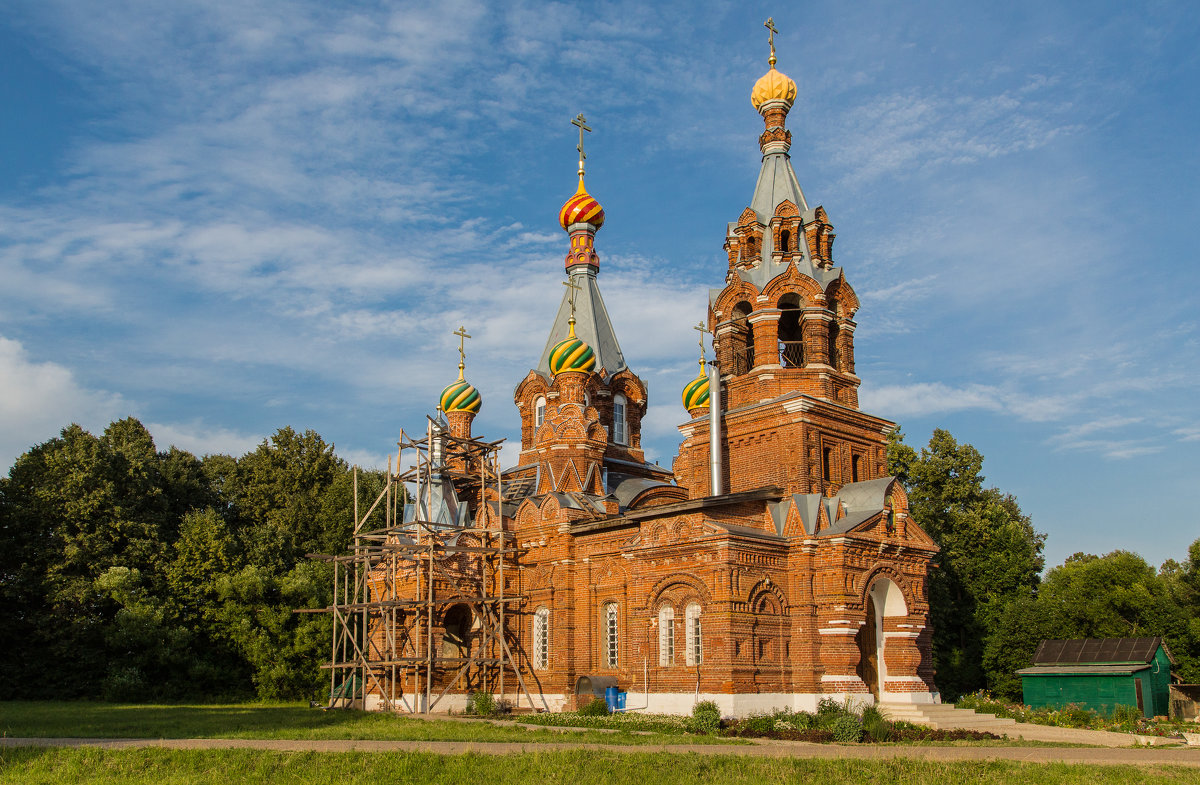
(581, 121)
(573, 289)
(770, 25)
(703, 332)
(461, 332)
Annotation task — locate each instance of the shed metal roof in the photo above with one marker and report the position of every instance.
(1097, 650)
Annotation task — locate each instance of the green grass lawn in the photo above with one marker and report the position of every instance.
(585, 767)
(82, 719)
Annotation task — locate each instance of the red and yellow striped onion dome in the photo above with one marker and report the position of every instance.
(773, 86)
(461, 397)
(572, 354)
(695, 394)
(581, 209)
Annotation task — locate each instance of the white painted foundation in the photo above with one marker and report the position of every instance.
(737, 705)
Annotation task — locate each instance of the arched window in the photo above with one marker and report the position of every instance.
(791, 336)
(620, 432)
(541, 639)
(785, 240)
(539, 412)
(666, 635)
(695, 641)
(612, 643)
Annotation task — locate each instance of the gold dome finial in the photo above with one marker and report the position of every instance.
(773, 86)
(770, 25)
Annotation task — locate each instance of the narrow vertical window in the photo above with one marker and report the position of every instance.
(826, 459)
(695, 645)
(541, 639)
(611, 636)
(620, 435)
(539, 410)
(785, 238)
(856, 468)
(666, 635)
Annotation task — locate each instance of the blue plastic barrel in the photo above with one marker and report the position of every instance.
(610, 697)
(621, 700)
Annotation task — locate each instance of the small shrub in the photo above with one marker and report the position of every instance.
(1073, 716)
(1126, 715)
(875, 725)
(760, 723)
(706, 717)
(481, 703)
(846, 729)
(596, 707)
(125, 684)
(828, 707)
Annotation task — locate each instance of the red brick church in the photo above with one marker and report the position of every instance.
(775, 570)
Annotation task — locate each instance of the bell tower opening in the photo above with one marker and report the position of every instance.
(791, 337)
(742, 339)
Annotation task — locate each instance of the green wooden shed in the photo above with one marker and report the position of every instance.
(1100, 674)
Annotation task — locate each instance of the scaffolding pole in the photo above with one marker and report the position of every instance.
(394, 589)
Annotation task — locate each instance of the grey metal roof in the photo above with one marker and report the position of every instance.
(591, 324)
(865, 495)
(747, 531)
(848, 522)
(628, 488)
(1097, 650)
(439, 504)
(776, 182)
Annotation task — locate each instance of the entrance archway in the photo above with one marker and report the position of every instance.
(883, 600)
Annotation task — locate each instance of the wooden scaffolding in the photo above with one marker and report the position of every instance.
(421, 606)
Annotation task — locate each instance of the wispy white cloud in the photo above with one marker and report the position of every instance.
(202, 439)
(41, 397)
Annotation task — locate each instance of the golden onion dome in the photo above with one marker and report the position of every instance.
(572, 354)
(461, 397)
(581, 208)
(773, 86)
(695, 394)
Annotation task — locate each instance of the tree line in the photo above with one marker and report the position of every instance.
(990, 604)
(130, 573)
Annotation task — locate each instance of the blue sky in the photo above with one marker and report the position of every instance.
(227, 217)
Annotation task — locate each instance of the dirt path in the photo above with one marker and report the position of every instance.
(774, 749)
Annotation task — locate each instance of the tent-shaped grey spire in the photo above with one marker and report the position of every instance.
(777, 183)
(591, 324)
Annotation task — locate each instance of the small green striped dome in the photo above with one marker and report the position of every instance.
(571, 354)
(696, 392)
(461, 397)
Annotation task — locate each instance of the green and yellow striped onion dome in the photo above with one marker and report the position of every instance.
(572, 354)
(461, 397)
(696, 392)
